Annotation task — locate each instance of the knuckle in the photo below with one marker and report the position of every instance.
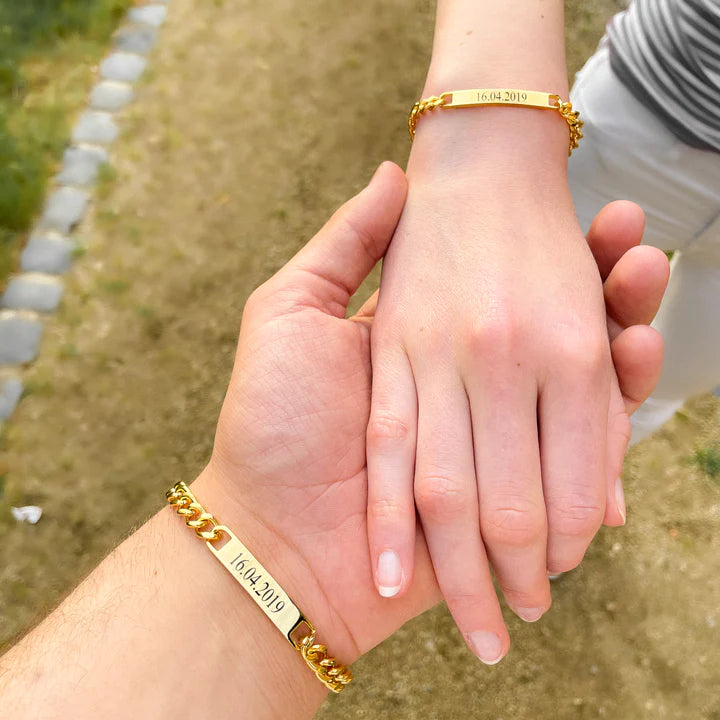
(388, 511)
(518, 525)
(440, 498)
(497, 335)
(586, 351)
(465, 602)
(427, 336)
(523, 597)
(575, 516)
(382, 429)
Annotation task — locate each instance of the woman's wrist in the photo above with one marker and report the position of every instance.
(517, 44)
(504, 141)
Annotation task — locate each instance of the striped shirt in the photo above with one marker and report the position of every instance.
(667, 52)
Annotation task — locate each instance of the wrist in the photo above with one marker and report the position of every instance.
(494, 142)
(283, 560)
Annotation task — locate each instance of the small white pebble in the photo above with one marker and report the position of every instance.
(27, 513)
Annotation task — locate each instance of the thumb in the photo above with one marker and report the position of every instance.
(330, 268)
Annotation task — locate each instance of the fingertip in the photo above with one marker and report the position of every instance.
(615, 229)
(530, 615)
(637, 353)
(389, 175)
(390, 574)
(623, 220)
(489, 647)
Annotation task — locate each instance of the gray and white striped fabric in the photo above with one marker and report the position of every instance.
(667, 52)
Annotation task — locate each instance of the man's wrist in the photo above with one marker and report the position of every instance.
(284, 562)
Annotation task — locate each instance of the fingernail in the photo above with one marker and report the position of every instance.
(487, 646)
(620, 498)
(389, 574)
(530, 614)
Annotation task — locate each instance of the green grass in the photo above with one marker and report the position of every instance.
(708, 460)
(47, 49)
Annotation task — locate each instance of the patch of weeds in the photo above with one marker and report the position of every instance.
(3, 480)
(68, 350)
(107, 215)
(114, 286)
(107, 175)
(37, 386)
(708, 460)
(79, 251)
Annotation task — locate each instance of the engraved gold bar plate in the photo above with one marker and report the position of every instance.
(498, 96)
(286, 619)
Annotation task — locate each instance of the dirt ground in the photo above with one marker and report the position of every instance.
(255, 122)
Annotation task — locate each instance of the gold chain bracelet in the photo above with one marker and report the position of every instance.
(500, 96)
(261, 586)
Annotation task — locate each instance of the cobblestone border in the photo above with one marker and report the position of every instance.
(36, 289)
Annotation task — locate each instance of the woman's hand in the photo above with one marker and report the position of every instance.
(289, 466)
(495, 403)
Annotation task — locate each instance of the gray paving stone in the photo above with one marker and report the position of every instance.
(111, 95)
(80, 165)
(123, 67)
(153, 15)
(10, 391)
(138, 39)
(64, 209)
(47, 254)
(19, 338)
(95, 128)
(28, 292)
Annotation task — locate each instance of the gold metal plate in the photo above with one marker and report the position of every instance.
(259, 584)
(498, 96)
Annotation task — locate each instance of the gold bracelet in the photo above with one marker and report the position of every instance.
(500, 96)
(261, 586)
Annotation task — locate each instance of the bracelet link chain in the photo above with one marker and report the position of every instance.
(572, 118)
(327, 669)
(501, 96)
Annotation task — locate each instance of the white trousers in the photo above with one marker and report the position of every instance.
(627, 153)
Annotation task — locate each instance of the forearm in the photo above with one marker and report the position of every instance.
(158, 630)
(486, 43)
(490, 44)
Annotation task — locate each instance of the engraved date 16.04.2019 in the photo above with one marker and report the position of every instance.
(254, 583)
(258, 583)
(499, 96)
(502, 96)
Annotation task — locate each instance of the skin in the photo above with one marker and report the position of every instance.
(161, 627)
(496, 411)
